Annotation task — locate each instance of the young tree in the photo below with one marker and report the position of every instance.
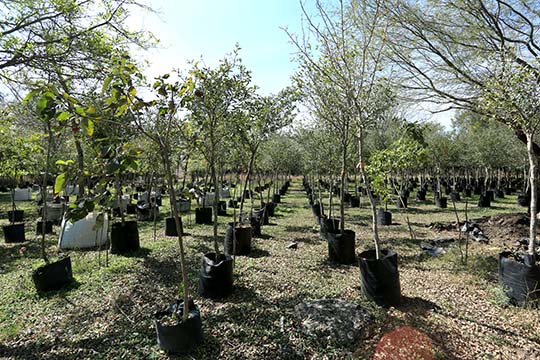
(219, 95)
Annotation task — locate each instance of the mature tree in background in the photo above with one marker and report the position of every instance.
(68, 38)
(449, 49)
(513, 96)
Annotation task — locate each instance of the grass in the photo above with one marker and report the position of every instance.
(108, 313)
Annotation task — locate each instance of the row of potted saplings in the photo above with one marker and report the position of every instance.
(216, 278)
(216, 274)
(379, 272)
(519, 272)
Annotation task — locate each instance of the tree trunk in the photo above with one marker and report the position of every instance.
(250, 166)
(375, 228)
(533, 161)
(80, 166)
(172, 197)
(342, 187)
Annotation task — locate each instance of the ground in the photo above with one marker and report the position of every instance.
(107, 314)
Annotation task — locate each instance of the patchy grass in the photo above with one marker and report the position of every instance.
(107, 314)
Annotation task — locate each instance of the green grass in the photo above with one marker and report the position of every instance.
(107, 314)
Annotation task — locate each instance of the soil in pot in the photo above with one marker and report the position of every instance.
(15, 215)
(173, 334)
(341, 247)
(170, 227)
(203, 215)
(124, 237)
(521, 282)
(384, 217)
(380, 277)
(216, 277)
(243, 235)
(48, 227)
(14, 233)
(53, 276)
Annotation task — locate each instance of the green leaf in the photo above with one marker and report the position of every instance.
(63, 116)
(41, 104)
(59, 182)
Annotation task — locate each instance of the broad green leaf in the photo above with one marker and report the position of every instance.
(59, 182)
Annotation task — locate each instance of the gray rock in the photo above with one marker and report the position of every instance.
(333, 320)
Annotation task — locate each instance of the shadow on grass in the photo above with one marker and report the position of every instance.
(60, 292)
(141, 253)
(258, 253)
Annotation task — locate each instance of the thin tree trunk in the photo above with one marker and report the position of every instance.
(172, 196)
(533, 161)
(375, 228)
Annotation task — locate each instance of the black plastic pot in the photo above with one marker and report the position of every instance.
(282, 191)
(131, 209)
(355, 201)
(216, 277)
(316, 210)
(468, 192)
(380, 278)
(490, 194)
(15, 215)
(341, 247)
(523, 200)
(421, 195)
(384, 217)
(401, 202)
(53, 276)
(124, 237)
(499, 193)
(441, 202)
(233, 203)
(48, 227)
(14, 233)
(455, 197)
(271, 208)
(243, 236)
(521, 282)
(182, 337)
(261, 214)
(256, 226)
(347, 197)
(222, 208)
(276, 198)
(203, 215)
(328, 226)
(170, 227)
(484, 201)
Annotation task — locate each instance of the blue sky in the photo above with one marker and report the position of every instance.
(189, 29)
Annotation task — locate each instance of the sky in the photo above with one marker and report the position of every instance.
(191, 29)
